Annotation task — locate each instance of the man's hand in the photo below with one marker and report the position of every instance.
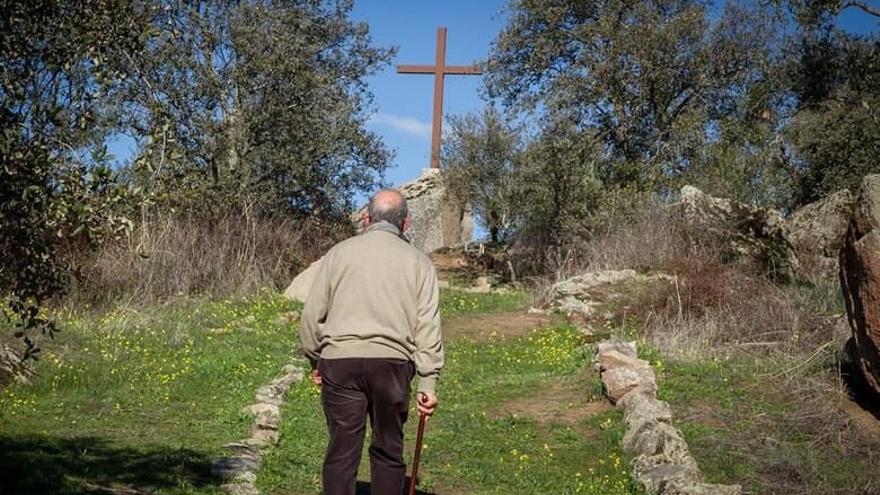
(316, 377)
(427, 403)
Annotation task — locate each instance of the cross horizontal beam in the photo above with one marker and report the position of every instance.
(432, 69)
(439, 71)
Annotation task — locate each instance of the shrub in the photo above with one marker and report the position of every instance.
(716, 305)
(231, 253)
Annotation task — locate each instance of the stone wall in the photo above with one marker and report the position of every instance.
(663, 464)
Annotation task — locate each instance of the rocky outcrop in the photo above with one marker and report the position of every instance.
(298, 290)
(239, 468)
(816, 230)
(748, 232)
(435, 220)
(582, 295)
(662, 464)
(860, 279)
(12, 367)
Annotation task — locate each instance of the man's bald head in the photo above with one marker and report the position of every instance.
(388, 205)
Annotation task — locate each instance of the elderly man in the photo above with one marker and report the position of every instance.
(370, 323)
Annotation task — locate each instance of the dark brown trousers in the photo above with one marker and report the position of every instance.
(354, 389)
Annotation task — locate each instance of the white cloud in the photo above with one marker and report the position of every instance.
(408, 125)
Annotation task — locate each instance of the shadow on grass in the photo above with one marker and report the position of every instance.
(859, 390)
(363, 488)
(62, 466)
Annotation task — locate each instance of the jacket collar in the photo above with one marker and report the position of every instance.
(384, 226)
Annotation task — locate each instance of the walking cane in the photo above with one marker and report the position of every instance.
(419, 438)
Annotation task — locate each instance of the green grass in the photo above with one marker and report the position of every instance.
(143, 397)
(146, 398)
(457, 302)
(474, 445)
(744, 427)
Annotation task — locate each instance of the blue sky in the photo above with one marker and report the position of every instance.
(404, 101)
(856, 21)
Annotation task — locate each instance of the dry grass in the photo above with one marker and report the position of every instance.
(231, 253)
(721, 308)
(652, 239)
(718, 309)
(717, 305)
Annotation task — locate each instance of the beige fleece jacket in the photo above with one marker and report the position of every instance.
(375, 296)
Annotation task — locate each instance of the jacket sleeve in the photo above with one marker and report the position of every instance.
(429, 348)
(314, 312)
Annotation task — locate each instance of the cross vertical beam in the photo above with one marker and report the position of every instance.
(439, 77)
(439, 70)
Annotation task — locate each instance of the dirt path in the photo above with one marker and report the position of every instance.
(485, 326)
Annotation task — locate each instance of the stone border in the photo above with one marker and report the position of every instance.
(245, 456)
(663, 464)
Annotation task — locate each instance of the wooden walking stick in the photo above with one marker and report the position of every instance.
(419, 438)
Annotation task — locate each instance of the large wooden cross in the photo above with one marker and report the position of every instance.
(439, 69)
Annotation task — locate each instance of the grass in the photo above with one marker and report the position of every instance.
(141, 398)
(481, 441)
(746, 425)
(132, 400)
(457, 302)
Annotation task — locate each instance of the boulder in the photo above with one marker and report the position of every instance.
(235, 465)
(816, 230)
(12, 367)
(610, 360)
(622, 372)
(860, 279)
(653, 474)
(583, 294)
(641, 409)
(266, 436)
(690, 488)
(654, 438)
(616, 344)
(298, 290)
(747, 231)
(620, 381)
(435, 220)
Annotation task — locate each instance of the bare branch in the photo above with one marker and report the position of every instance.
(864, 7)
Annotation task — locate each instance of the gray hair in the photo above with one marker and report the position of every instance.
(391, 211)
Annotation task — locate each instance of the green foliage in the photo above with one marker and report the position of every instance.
(560, 188)
(258, 106)
(263, 103)
(746, 163)
(479, 159)
(836, 131)
(644, 79)
(56, 66)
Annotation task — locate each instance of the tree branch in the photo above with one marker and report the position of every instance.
(864, 7)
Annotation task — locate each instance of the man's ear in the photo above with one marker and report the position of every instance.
(404, 226)
(365, 219)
